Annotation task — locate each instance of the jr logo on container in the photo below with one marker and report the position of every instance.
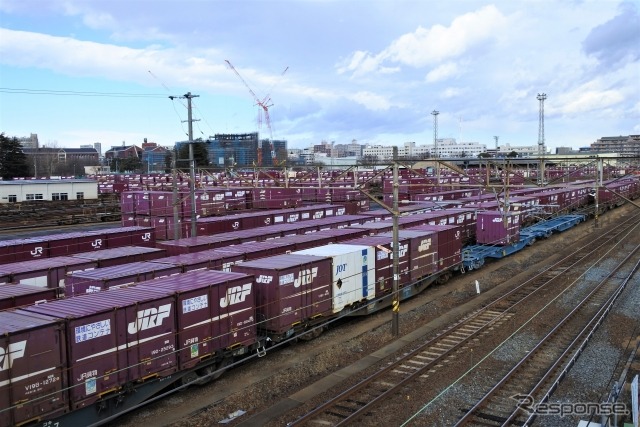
(149, 318)
(37, 251)
(235, 295)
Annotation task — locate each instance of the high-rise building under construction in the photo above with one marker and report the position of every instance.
(241, 150)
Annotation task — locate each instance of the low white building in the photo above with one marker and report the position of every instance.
(46, 189)
(385, 152)
(448, 147)
(522, 150)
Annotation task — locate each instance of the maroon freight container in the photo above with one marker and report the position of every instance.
(374, 227)
(32, 368)
(448, 244)
(215, 311)
(213, 259)
(72, 243)
(6, 251)
(423, 252)
(498, 228)
(127, 203)
(214, 225)
(130, 236)
(255, 235)
(46, 272)
(197, 244)
(17, 250)
(123, 255)
(115, 337)
(291, 291)
(251, 251)
(306, 241)
(16, 295)
(188, 262)
(100, 279)
(342, 234)
(163, 226)
(466, 219)
(251, 220)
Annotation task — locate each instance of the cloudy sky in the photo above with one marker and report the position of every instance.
(78, 72)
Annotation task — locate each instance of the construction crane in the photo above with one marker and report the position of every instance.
(263, 103)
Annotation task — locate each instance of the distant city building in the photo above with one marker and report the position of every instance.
(448, 147)
(96, 145)
(522, 150)
(154, 157)
(241, 150)
(123, 152)
(623, 145)
(60, 161)
(30, 142)
(385, 152)
(566, 150)
(321, 158)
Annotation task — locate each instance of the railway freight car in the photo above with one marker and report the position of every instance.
(60, 244)
(81, 359)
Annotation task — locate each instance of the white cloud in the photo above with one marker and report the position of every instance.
(591, 96)
(442, 72)
(593, 100)
(452, 92)
(371, 101)
(436, 44)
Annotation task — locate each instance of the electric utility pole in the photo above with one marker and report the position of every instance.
(192, 167)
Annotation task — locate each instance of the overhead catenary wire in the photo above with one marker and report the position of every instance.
(24, 91)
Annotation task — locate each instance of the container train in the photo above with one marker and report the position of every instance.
(81, 360)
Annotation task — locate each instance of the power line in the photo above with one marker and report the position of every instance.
(24, 91)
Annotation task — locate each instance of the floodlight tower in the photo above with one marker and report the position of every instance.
(541, 97)
(435, 113)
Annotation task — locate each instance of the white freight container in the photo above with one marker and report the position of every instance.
(354, 274)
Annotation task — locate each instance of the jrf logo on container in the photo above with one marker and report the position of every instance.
(424, 245)
(264, 279)
(13, 352)
(149, 318)
(305, 277)
(235, 295)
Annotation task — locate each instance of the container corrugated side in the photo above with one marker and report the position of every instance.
(115, 337)
(215, 312)
(100, 279)
(32, 368)
(291, 291)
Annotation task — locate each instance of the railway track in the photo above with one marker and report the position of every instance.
(535, 376)
(425, 362)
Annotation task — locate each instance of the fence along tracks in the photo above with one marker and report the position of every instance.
(426, 359)
(551, 358)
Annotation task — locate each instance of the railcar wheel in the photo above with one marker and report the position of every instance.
(190, 378)
(312, 334)
(207, 374)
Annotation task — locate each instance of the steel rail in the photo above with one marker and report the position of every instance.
(497, 316)
(533, 352)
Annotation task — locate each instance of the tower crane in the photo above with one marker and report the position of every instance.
(264, 104)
